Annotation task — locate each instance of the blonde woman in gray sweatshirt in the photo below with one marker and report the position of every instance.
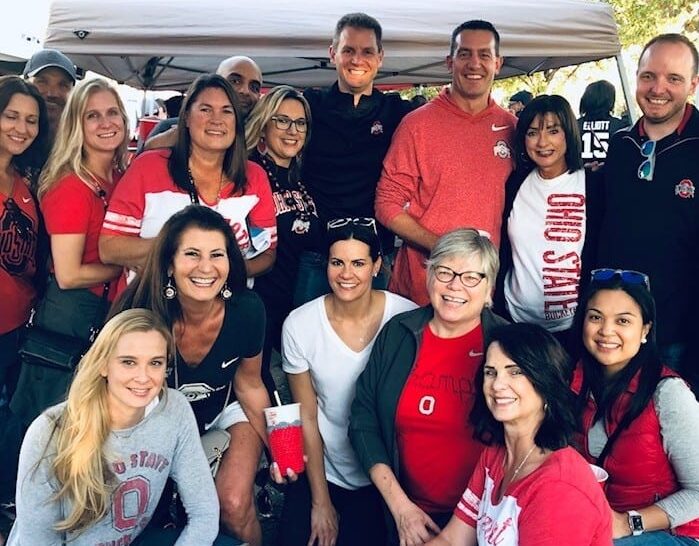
(93, 468)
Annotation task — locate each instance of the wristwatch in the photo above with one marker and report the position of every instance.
(636, 523)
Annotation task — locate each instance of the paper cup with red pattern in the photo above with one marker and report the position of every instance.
(285, 436)
(600, 474)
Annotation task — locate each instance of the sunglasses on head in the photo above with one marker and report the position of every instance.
(627, 276)
(647, 168)
(359, 221)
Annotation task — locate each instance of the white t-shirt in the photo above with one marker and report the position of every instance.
(309, 343)
(546, 228)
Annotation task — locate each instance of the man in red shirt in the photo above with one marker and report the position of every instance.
(449, 160)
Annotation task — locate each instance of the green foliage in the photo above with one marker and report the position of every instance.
(640, 20)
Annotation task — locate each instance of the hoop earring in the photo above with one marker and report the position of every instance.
(169, 290)
(226, 293)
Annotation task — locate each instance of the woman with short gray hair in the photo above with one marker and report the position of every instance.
(409, 420)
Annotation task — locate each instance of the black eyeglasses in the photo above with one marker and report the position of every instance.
(360, 221)
(469, 279)
(647, 168)
(283, 123)
(626, 275)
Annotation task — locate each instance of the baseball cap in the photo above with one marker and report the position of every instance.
(47, 58)
(525, 97)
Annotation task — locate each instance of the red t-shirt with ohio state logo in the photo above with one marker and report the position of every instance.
(435, 440)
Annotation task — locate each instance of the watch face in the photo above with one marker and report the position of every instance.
(636, 523)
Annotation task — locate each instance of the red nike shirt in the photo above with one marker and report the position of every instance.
(435, 441)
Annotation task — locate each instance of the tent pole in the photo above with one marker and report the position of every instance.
(630, 102)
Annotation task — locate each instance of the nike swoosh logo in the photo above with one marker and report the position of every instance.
(26, 199)
(474, 354)
(499, 127)
(227, 363)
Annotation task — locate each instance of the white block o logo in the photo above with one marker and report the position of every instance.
(426, 405)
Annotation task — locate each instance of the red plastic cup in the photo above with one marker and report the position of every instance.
(285, 437)
(145, 126)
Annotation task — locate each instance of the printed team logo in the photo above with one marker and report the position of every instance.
(376, 128)
(685, 189)
(197, 391)
(502, 150)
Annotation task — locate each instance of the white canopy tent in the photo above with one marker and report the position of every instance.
(164, 44)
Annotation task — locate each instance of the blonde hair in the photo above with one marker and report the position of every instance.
(82, 428)
(266, 107)
(68, 154)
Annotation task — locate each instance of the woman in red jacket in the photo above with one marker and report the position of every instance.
(639, 418)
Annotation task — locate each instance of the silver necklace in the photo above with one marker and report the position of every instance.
(522, 463)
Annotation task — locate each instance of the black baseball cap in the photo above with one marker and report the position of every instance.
(47, 58)
(525, 97)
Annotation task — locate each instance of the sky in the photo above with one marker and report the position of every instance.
(22, 27)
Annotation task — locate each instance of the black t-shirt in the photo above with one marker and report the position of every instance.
(596, 132)
(298, 229)
(343, 160)
(241, 336)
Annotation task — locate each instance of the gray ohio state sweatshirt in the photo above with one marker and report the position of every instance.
(164, 444)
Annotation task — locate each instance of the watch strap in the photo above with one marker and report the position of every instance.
(636, 523)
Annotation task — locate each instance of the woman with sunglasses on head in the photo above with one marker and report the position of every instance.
(207, 166)
(529, 486)
(409, 420)
(326, 344)
(639, 419)
(277, 131)
(94, 467)
(550, 221)
(195, 281)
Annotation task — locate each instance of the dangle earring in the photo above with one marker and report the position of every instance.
(262, 146)
(226, 293)
(169, 290)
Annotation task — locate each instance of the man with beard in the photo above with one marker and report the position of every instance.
(245, 77)
(651, 173)
(54, 75)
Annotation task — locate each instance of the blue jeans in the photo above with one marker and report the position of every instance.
(655, 538)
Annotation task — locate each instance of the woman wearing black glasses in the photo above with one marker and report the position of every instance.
(326, 344)
(276, 133)
(639, 418)
(409, 420)
(550, 221)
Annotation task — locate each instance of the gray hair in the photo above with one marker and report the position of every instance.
(465, 243)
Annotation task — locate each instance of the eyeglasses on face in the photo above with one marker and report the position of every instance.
(626, 275)
(283, 123)
(469, 279)
(647, 168)
(360, 221)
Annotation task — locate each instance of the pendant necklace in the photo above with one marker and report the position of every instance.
(522, 463)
